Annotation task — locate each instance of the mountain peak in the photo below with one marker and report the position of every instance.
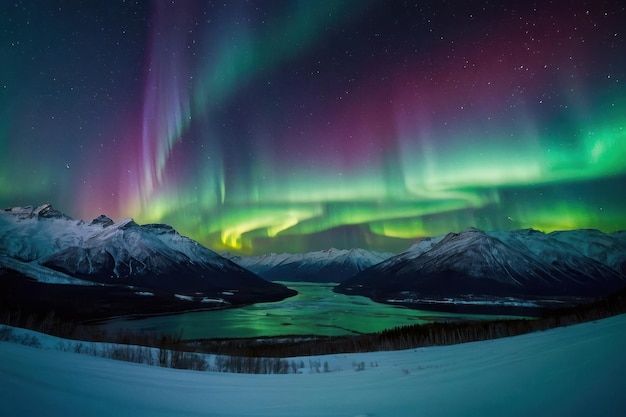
(126, 224)
(102, 220)
(45, 211)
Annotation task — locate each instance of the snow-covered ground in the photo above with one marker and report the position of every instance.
(572, 371)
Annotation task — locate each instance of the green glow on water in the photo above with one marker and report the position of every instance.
(316, 310)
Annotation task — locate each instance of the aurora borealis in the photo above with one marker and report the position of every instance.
(270, 126)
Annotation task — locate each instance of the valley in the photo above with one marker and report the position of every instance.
(316, 310)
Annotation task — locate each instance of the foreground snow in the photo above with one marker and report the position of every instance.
(573, 371)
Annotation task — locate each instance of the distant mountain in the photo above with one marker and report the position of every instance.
(333, 265)
(44, 245)
(502, 269)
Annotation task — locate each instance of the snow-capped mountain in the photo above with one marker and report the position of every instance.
(582, 271)
(43, 244)
(29, 233)
(150, 255)
(609, 249)
(333, 265)
(473, 264)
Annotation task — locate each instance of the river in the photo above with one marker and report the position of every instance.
(316, 310)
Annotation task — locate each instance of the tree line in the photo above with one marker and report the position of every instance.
(405, 337)
(417, 335)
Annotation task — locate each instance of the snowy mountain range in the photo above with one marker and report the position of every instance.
(151, 268)
(333, 265)
(44, 245)
(508, 269)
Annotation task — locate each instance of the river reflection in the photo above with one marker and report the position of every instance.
(315, 310)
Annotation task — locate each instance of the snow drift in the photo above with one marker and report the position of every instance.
(571, 371)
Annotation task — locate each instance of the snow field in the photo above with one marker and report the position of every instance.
(572, 371)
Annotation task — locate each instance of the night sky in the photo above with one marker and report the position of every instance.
(271, 126)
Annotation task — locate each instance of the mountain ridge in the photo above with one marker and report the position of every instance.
(470, 268)
(474, 267)
(47, 247)
(325, 266)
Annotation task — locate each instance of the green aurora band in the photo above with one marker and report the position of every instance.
(298, 125)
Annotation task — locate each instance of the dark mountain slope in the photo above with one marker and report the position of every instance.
(474, 268)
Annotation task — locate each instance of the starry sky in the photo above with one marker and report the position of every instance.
(271, 126)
